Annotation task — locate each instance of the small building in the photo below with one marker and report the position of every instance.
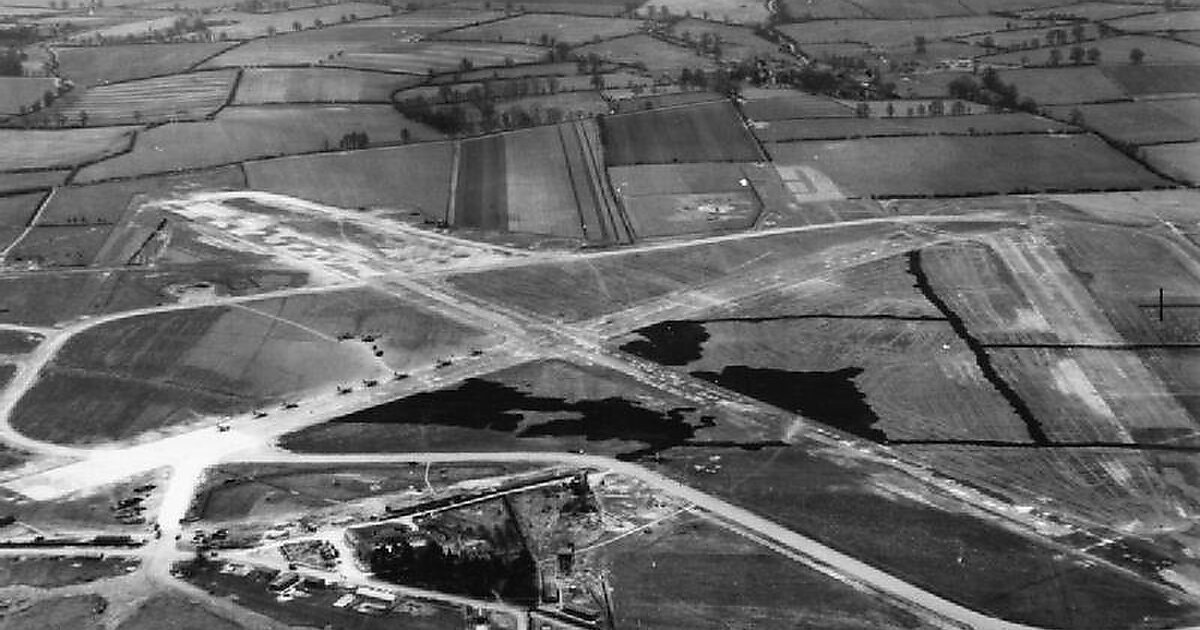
(377, 594)
(284, 581)
(344, 600)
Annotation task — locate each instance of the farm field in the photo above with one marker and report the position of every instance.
(1092, 11)
(1160, 79)
(709, 132)
(16, 211)
(1113, 50)
(88, 66)
(922, 9)
(251, 25)
(673, 199)
(531, 28)
(721, 578)
(625, 102)
(48, 149)
(968, 165)
(15, 182)
(1181, 161)
(176, 97)
(175, 368)
(13, 342)
(745, 12)
(245, 133)
(126, 30)
(423, 57)
(317, 85)
(894, 35)
(1159, 22)
(64, 611)
(846, 128)
(60, 246)
(180, 610)
(1144, 122)
(737, 43)
(658, 56)
(17, 94)
(823, 9)
(1055, 86)
(62, 571)
(794, 105)
(391, 177)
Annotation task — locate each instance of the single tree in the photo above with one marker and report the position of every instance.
(1055, 57)
(1078, 54)
(1093, 55)
(1136, 56)
(919, 42)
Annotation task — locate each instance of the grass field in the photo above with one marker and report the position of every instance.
(530, 28)
(182, 612)
(656, 55)
(718, 579)
(88, 66)
(45, 149)
(50, 572)
(710, 132)
(122, 29)
(245, 133)
(31, 180)
(973, 561)
(1113, 50)
(846, 128)
(795, 105)
(732, 11)
(480, 199)
(18, 342)
(317, 85)
(672, 199)
(1054, 86)
(60, 246)
(163, 370)
(737, 42)
(251, 25)
(1144, 122)
(77, 612)
(658, 97)
(176, 97)
(1160, 22)
(19, 93)
(411, 177)
(960, 165)
(17, 210)
(895, 35)
(823, 9)
(1092, 11)
(548, 405)
(1181, 161)
(1161, 79)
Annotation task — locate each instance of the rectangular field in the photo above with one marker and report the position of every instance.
(656, 55)
(790, 105)
(245, 133)
(738, 43)
(1113, 50)
(1144, 122)
(535, 29)
(176, 97)
(1181, 161)
(1159, 79)
(541, 195)
(251, 25)
(47, 149)
(88, 66)
(317, 85)
(31, 180)
(668, 200)
(891, 34)
(413, 177)
(962, 165)
(1054, 86)
(481, 199)
(709, 132)
(846, 128)
(805, 10)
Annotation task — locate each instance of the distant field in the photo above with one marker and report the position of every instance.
(823, 9)
(735, 11)
(410, 177)
(250, 25)
(795, 105)
(244, 133)
(18, 93)
(1056, 86)
(177, 97)
(673, 199)
(1093, 10)
(1143, 122)
(1113, 50)
(891, 34)
(846, 128)
(1177, 160)
(163, 370)
(940, 165)
(737, 42)
(914, 9)
(711, 132)
(129, 28)
(529, 29)
(88, 66)
(1160, 21)
(1164, 79)
(44, 149)
(666, 96)
(180, 610)
(60, 246)
(317, 85)
(18, 342)
(658, 56)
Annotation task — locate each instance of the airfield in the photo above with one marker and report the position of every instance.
(575, 315)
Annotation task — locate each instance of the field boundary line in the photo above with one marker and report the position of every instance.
(455, 158)
(562, 142)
